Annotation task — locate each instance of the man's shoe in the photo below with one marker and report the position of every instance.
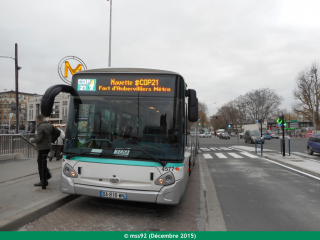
(50, 159)
(39, 184)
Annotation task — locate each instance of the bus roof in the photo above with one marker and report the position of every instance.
(126, 70)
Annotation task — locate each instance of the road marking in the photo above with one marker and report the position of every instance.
(214, 149)
(220, 155)
(235, 155)
(207, 156)
(249, 155)
(205, 149)
(224, 148)
(293, 169)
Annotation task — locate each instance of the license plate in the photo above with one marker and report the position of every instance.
(113, 195)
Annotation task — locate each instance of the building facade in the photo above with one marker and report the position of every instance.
(8, 105)
(59, 111)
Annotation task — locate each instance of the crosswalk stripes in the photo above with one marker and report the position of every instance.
(221, 155)
(205, 149)
(218, 149)
(235, 155)
(224, 155)
(249, 155)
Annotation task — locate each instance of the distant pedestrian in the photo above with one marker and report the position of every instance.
(57, 146)
(43, 144)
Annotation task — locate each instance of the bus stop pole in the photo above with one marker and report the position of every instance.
(255, 141)
(289, 140)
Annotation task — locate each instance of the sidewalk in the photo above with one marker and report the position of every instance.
(297, 161)
(20, 200)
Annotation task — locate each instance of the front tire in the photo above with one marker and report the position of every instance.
(310, 152)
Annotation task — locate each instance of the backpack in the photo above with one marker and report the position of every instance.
(55, 134)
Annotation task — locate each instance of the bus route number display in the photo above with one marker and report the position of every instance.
(138, 85)
(87, 84)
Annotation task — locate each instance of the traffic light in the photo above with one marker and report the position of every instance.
(229, 125)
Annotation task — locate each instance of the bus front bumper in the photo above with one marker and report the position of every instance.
(167, 195)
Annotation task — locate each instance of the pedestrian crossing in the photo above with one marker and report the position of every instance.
(228, 155)
(209, 149)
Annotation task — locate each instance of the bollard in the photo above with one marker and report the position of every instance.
(261, 147)
(280, 145)
(44, 171)
(255, 141)
(289, 145)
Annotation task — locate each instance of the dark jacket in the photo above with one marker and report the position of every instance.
(43, 138)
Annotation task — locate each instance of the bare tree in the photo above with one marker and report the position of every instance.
(307, 94)
(261, 103)
(202, 113)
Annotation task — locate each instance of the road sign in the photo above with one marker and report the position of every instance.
(10, 115)
(294, 121)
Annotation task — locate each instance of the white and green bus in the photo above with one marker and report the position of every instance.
(126, 135)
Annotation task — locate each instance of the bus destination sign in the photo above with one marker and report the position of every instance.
(138, 85)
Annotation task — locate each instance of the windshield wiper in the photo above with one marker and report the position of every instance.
(153, 157)
(70, 155)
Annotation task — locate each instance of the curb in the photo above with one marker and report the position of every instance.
(13, 223)
(202, 213)
(211, 217)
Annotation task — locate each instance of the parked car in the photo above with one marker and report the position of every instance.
(207, 135)
(224, 136)
(201, 135)
(313, 144)
(274, 135)
(266, 136)
(233, 134)
(252, 136)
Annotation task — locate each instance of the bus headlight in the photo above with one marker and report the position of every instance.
(165, 179)
(69, 171)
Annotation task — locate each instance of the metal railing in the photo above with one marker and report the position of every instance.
(17, 143)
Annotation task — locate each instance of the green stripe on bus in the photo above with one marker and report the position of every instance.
(124, 162)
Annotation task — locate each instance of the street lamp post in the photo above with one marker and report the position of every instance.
(17, 68)
(109, 63)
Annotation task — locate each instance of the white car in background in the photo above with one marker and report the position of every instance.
(202, 135)
(207, 135)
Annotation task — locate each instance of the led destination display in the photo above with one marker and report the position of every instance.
(141, 85)
(126, 84)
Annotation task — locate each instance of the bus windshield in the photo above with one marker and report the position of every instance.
(118, 127)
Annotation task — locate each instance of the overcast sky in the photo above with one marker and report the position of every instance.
(223, 48)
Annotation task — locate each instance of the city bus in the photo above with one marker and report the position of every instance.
(126, 134)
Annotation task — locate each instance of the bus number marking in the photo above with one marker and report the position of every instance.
(168, 169)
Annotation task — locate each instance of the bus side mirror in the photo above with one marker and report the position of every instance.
(192, 106)
(47, 100)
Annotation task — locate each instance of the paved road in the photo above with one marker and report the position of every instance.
(297, 144)
(100, 214)
(256, 195)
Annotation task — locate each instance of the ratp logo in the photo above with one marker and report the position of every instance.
(65, 66)
(87, 84)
